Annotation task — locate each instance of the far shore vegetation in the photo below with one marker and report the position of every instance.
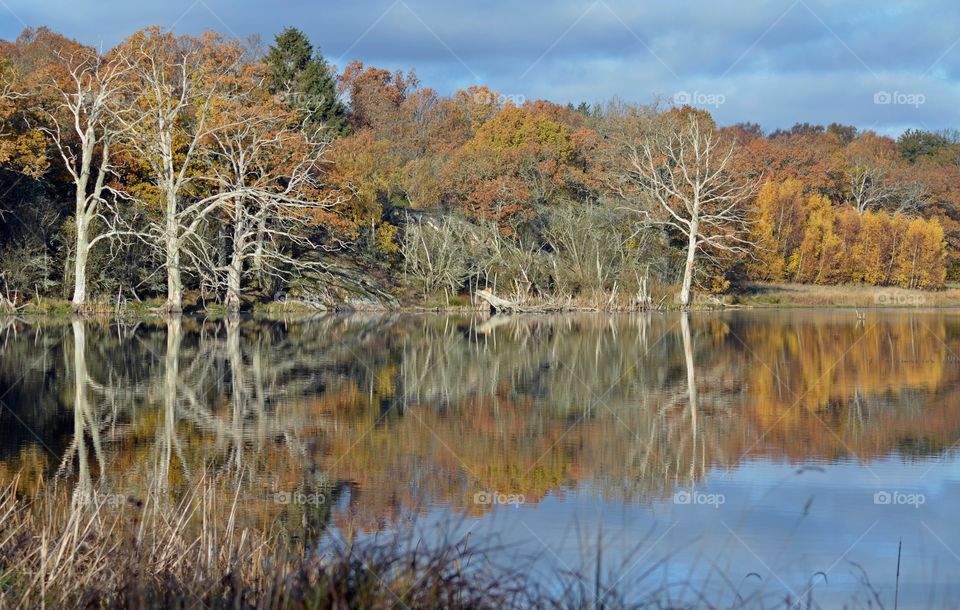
(184, 173)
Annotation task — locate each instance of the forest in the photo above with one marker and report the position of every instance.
(181, 172)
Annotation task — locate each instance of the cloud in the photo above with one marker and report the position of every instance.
(774, 62)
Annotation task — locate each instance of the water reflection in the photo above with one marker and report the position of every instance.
(382, 417)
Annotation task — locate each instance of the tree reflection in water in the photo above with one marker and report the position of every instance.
(385, 415)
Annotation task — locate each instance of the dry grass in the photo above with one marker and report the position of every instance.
(56, 552)
(806, 295)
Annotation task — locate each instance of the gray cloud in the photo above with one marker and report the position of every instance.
(771, 61)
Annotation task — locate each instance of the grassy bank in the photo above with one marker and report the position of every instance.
(856, 296)
(759, 295)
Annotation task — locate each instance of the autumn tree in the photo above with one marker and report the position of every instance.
(518, 160)
(376, 96)
(271, 174)
(815, 258)
(175, 83)
(841, 245)
(920, 264)
(23, 64)
(807, 155)
(777, 230)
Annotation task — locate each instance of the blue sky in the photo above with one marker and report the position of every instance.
(879, 65)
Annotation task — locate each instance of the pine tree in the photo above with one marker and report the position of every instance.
(307, 82)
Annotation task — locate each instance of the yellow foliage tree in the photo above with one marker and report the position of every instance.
(778, 228)
(875, 245)
(921, 261)
(811, 261)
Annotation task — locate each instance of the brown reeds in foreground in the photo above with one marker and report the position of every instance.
(65, 553)
(66, 549)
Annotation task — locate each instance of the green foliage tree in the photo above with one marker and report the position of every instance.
(916, 143)
(306, 81)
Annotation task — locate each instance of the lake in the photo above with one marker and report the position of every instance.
(741, 453)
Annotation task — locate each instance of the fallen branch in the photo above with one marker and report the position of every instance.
(498, 305)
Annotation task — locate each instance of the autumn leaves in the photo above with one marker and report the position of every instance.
(211, 168)
(803, 237)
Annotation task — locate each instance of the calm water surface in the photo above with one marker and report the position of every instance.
(736, 453)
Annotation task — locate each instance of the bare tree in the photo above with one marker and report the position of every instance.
(684, 168)
(502, 261)
(79, 104)
(176, 82)
(435, 253)
(593, 250)
(912, 197)
(867, 185)
(273, 175)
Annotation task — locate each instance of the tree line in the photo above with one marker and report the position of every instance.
(201, 168)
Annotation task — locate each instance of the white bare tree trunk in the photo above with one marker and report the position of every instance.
(233, 284)
(80, 259)
(688, 267)
(82, 219)
(174, 302)
(235, 266)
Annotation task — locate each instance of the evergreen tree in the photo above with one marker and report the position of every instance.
(307, 82)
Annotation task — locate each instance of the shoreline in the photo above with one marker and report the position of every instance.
(759, 296)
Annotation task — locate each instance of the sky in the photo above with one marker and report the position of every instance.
(875, 64)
